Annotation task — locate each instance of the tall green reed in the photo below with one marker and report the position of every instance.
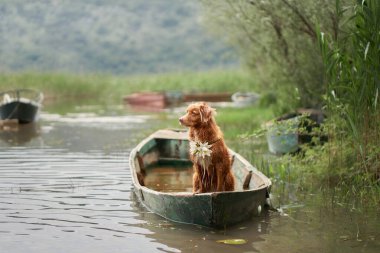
(352, 64)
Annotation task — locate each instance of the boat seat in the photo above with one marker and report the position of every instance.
(140, 177)
(247, 180)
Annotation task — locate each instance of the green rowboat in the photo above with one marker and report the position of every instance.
(162, 177)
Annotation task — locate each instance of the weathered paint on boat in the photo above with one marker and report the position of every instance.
(216, 209)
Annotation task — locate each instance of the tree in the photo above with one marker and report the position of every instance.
(277, 40)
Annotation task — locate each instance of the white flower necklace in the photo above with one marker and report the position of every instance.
(202, 152)
(200, 149)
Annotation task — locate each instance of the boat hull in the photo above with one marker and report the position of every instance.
(215, 210)
(147, 99)
(23, 112)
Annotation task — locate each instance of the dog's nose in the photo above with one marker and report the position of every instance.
(180, 120)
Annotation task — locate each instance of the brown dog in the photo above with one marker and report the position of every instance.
(212, 164)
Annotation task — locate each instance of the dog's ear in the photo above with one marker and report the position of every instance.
(206, 112)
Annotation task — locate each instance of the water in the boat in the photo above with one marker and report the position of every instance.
(169, 177)
(65, 186)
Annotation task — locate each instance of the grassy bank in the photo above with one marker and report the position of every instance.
(107, 87)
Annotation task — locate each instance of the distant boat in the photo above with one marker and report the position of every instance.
(243, 99)
(156, 101)
(147, 100)
(176, 201)
(20, 104)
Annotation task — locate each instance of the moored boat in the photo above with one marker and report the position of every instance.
(147, 99)
(243, 99)
(162, 177)
(20, 104)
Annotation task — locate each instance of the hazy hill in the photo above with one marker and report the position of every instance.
(118, 36)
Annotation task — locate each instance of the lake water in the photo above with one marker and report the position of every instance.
(65, 186)
(169, 178)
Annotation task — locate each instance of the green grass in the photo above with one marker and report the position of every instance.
(239, 121)
(108, 87)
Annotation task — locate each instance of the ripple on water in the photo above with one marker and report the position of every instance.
(51, 192)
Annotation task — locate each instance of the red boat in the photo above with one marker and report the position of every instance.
(147, 99)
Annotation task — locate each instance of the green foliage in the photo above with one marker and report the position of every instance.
(349, 163)
(353, 72)
(107, 36)
(329, 168)
(277, 40)
(268, 99)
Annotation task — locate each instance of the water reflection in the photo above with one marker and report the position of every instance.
(19, 134)
(169, 177)
(65, 197)
(191, 238)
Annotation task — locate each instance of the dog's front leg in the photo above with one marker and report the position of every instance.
(220, 177)
(197, 184)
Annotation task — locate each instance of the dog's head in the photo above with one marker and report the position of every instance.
(197, 114)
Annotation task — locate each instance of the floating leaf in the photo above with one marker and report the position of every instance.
(233, 241)
(259, 209)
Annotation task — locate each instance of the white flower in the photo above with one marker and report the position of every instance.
(199, 149)
(193, 147)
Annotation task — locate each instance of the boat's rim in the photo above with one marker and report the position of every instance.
(38, 94)
(267, 182)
